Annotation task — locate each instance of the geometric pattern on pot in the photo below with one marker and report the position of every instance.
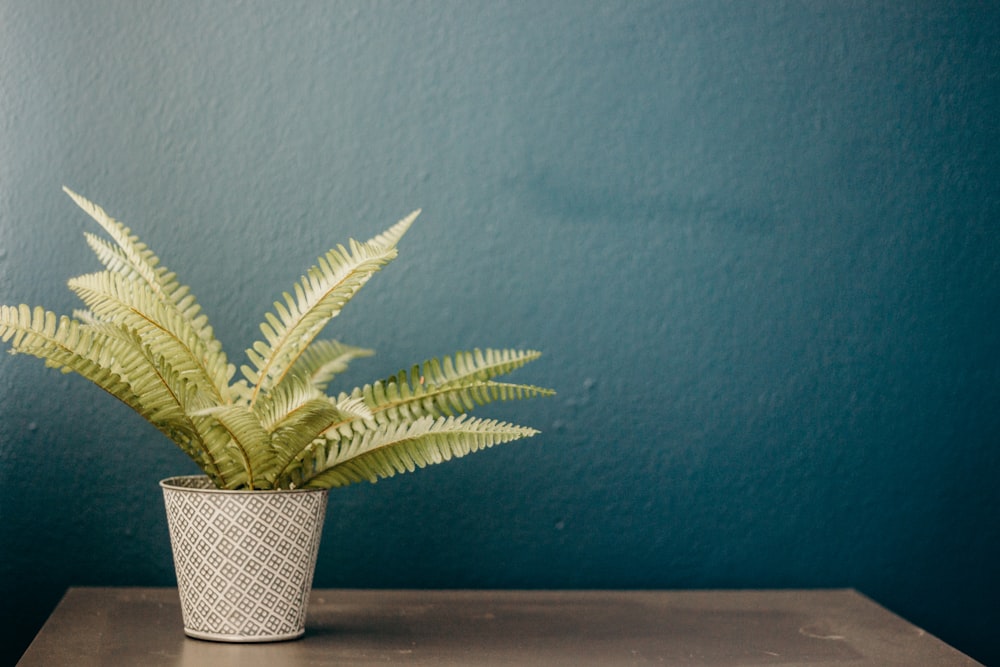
(244, 559)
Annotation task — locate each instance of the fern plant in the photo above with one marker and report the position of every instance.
(144, 340)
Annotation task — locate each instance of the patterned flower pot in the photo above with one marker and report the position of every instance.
(244, 559)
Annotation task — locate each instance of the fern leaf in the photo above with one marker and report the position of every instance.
(401, 401)
(297, 414)
(390, 237)
(277, 406)
(248, 442)
(113, 298)
(64, 344)
(355, 408)
(134, 256)
(292, 436)
(464, 368)
(112, 257)
(319, 296)
(133, 260)
(324, 359)
(478, 364)
(162, 396)
(108, 360)
(449, 386)
(400, 448)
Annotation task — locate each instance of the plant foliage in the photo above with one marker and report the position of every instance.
(144, 340)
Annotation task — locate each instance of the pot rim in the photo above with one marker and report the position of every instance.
(174, 483)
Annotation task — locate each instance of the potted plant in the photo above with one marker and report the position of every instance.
(271, 439)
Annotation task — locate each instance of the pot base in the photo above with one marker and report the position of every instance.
(243, 639)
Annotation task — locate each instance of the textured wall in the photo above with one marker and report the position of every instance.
(756, 241)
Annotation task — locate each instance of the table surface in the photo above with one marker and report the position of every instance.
(142, 626)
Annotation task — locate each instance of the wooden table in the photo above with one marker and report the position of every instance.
(142, 626)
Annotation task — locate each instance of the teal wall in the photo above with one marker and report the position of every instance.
(757, 242)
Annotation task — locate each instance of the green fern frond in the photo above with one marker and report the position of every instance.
(399, 448)
(108, 360)
(163, 396)
(135, 254)
(248, 442)
(113, 298)
(133, 260)
(64, 344)
(296, 414)
(319, 296)
(113, 257)
(324, 359)
(354, 409)
(477, 364)
(284, 401)
(391, 237)
(402, 400)
(449, 386)
(224, 461)
(293, 436)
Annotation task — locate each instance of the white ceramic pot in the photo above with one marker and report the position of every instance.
(244, 559)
